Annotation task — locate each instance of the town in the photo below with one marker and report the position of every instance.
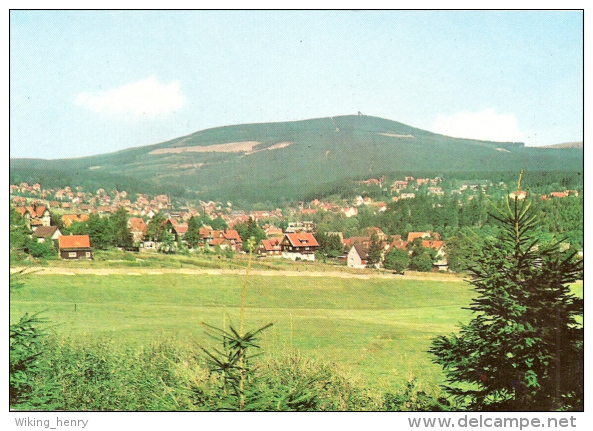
(60, 218)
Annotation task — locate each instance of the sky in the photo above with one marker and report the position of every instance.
(91, 82)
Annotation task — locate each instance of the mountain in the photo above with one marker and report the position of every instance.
(290, 160)
(577, 144)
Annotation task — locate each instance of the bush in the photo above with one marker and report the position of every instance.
(41, 249)
(421, 261)
(413, 400)
(397, 260)
(291, 382)
(28, 390)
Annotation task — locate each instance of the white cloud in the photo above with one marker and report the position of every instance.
(147, 99)
(487, 125)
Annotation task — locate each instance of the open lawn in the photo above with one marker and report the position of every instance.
(379, 329)
(376, 328)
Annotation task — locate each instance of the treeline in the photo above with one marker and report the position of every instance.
(448, 215)
(91, 181)
(541, 182)
(104, 232)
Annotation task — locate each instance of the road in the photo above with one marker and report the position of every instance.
(281, 273)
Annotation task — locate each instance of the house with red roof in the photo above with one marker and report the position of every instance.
(300, 246)
(177, 229)
(412, 236)
(221, 242)
(35, 215)
(375, 230)
(137, 227)
(68, 219)
(272, 230)
(270, 247)
(397, 242)
(75, 247)
(558, 195)
(19, 201)
(440, 262)
(231, 235)
(308, 211)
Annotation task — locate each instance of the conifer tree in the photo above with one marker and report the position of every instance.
(375, 251)
(192, 236)
(523, 349)
(121, 234)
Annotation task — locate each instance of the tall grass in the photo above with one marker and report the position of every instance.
(172, 375)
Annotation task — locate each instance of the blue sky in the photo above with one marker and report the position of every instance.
(90, 82)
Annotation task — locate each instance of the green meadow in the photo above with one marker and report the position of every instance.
(378, 329)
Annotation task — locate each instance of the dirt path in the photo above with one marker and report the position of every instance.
(164, 271)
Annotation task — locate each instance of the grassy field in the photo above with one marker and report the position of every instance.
(114, 258)
(378, 328)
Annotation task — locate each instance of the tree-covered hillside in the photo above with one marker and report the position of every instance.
(290, 160)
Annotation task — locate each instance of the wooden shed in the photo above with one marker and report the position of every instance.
(75, 247)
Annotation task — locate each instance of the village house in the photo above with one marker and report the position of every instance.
(349, 242)
(358, 201)
(398, 242)
(35, 215)
(221, 242)
(440, 262)
(412, 236)
(19, 201)
(382, 206)
(270, 247)
(558, 195)
(475, 185)
(398, 186)
(357, 256)
(304, 226)
(47, 233)
(350, 212)
(377, 231)
(300, 246)
(176, 229)
(137, 227)
(231, 237)
(206, 235)
(68, 219)
(75, 247)
(436, 191)
(272, 230)
(308, 211)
